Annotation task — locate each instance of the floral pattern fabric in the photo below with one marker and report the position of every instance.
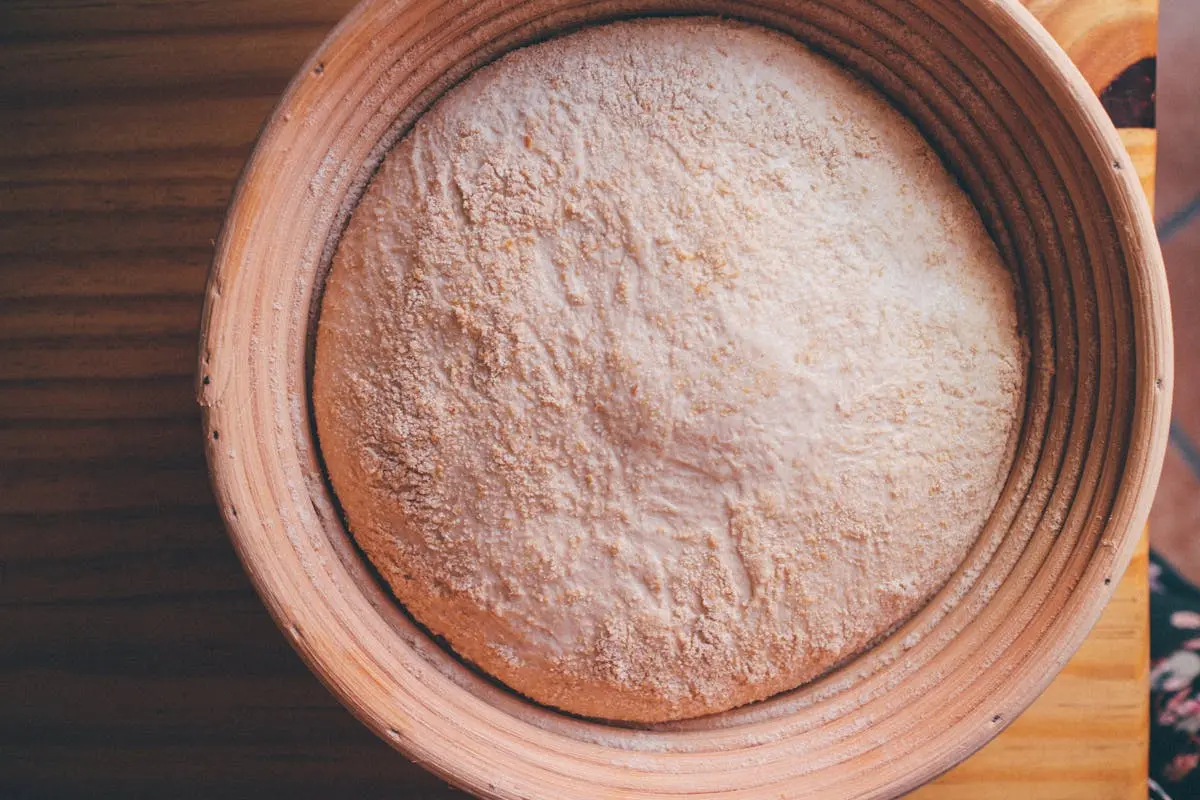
(1174, 684)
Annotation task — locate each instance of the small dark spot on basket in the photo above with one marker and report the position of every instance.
(206, 380)
(1158, 383)
(319, 69)
(216, 435)
(1107, 581)
(996, 719)
(1116, 164)
(232, 511)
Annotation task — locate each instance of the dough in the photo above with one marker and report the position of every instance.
(663, 366)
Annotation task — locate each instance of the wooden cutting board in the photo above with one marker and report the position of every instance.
(136, 660)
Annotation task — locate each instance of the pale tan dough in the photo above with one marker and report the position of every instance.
(663, 366)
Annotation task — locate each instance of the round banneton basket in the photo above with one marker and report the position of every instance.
(1027, 138)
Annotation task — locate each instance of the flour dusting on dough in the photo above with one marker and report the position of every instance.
(664, 366)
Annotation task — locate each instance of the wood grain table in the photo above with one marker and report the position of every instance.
(135, 660)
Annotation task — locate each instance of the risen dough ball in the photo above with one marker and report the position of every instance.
(663, 366)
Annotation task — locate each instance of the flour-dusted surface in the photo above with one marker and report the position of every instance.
(663, 366)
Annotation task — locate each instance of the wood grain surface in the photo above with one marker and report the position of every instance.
(136, 659)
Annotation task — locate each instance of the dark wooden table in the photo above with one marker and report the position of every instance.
(135, 659)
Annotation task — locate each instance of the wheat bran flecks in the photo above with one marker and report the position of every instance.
(663, 366)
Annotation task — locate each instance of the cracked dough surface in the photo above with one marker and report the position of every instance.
(663, 366)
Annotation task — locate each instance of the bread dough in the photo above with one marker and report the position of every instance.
(663, 366)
